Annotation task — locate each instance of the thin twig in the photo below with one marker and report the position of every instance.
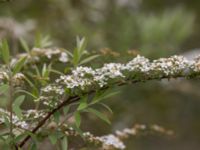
(69, 101)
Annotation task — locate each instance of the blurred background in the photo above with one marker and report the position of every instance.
(119, 30)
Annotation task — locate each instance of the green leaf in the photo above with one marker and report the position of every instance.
(76, 57)
(42, 41)
(99, 114)
(77, 119)
(103, 96)
(20, 137)
(68, 52)
(45, 71)
(28, 93)
(53, 138)
(81, 45)
(64, 143)
(3, 88)
(33, 146)
(56, 72)
(24, 45)
(18, 66)
(16, 105)
(83, 104)
(106, 107)
(79, 51)
(19, 100)
(56, 116)
(88, 59)
(5, 51)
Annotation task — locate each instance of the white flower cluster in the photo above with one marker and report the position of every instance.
(80, 77)
(34, 114)
(139, 63)
(17, 78)
(115, 141)
(4, 116)
(130, 131)
(3, 76)
(110, 141)
(171, 66)
(107, 142)
(56, 89)
(63, 57)
(49, 53)
(196, 64)
(36, 53)
(108, 71)
(84, 77)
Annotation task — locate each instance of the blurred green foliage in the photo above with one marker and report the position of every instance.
(107, 23)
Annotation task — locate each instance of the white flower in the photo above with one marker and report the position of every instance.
(138, 63)
(110, 141)
(3, 75)
(63, 57)
(16, 121)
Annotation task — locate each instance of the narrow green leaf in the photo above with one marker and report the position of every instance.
(24, 45)
(53, 138)
(88, 59)
(78, 119)
(16, 105)
(76, 57)
(20, 137)
(28, 93)
(56, 116)
(68, 52)
(106, 107)
(18, 66)
(82, 106)
(5, 51)
(56, 72)
(3, 88)
(19, 100)
(83, 103)
(64, 143)
(33, 146)
(37, 42)
(37, 71)
(44, 70)
(103, 96)
(81, 45)
(99, 114)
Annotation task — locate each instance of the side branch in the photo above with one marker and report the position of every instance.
(69, 101)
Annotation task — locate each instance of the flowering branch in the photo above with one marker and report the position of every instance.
(139, 69)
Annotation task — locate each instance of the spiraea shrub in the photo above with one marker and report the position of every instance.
(60, 85)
